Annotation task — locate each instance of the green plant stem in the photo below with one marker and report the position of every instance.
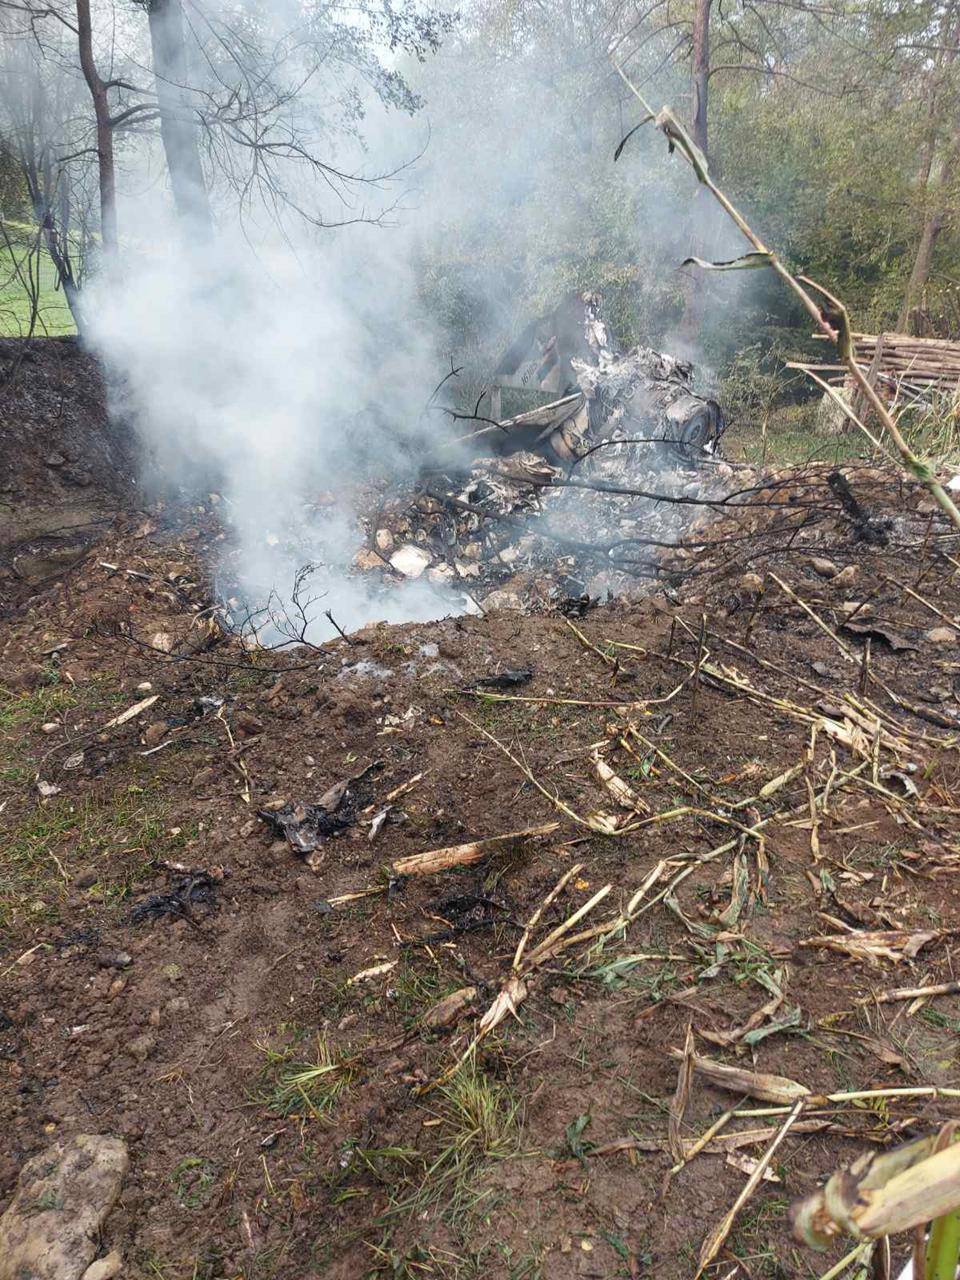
(943, 1248)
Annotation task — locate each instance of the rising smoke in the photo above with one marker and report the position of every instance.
(278, 360)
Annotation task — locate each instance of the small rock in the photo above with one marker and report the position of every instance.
(248, 724)
(824, 568)
(847, 576)
(50, 727)
(104, 1268)
(751, 582)
(141, 1047)
(55, 460)
(944, 636)
(153, 1018)
(367, 561)
(114, 959)
(144, 686)
(177, 1006)
(163, 641)
(85, 879)
(154, 733)
(385, 540)
(48, 789)
(52, 1228)
(502, 598)
(410, 560)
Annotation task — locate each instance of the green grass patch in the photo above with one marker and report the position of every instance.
(20, 267)
(119, 835)
(295, 1084)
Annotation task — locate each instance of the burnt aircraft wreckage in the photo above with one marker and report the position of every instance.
(602, 394)
(570, 499)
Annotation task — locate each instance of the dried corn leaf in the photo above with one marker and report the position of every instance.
(755, 1084)
(749, 1166)
(874, 945)
(367, 975)
(681, 1097)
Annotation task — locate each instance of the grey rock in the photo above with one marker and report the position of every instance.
(53, 1224)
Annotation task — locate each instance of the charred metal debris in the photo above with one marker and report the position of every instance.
(573, 499)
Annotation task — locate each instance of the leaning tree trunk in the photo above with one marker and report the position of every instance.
(178, 128)
(101, 111)
(692, 320)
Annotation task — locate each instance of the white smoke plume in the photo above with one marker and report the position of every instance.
(277, 361)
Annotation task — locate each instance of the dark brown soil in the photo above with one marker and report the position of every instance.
(63, 467)
(185, 1028)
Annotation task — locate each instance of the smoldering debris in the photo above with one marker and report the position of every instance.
(576, 499)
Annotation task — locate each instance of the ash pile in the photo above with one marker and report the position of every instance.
(583, 498)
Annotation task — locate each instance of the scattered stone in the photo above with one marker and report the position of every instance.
(154, 733)
(87, 878)
(945, 636)
(52, 1228)
(55, 460)
(114, 959)
(248, 724)
(144, 687)
(385, 541)
(825, 568)
(163, 641)
(367, 561)
(502, 598)
(751, 582)
(48, 789)
(410, 560)
(104, 1268)
(50, 727)
(847, 576)
(141, 1047)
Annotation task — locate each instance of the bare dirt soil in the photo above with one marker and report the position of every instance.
(261, 1025)
(63, 466)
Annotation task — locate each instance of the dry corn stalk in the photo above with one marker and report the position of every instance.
(464, 855)
(881, 1195)
(622, 792)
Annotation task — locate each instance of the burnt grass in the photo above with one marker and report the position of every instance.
(174, 973)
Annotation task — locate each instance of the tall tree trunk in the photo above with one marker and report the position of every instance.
(101, 110)
(701, 71)
(692, 320)
(933, 223)
(935, 216)
(177, 127)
